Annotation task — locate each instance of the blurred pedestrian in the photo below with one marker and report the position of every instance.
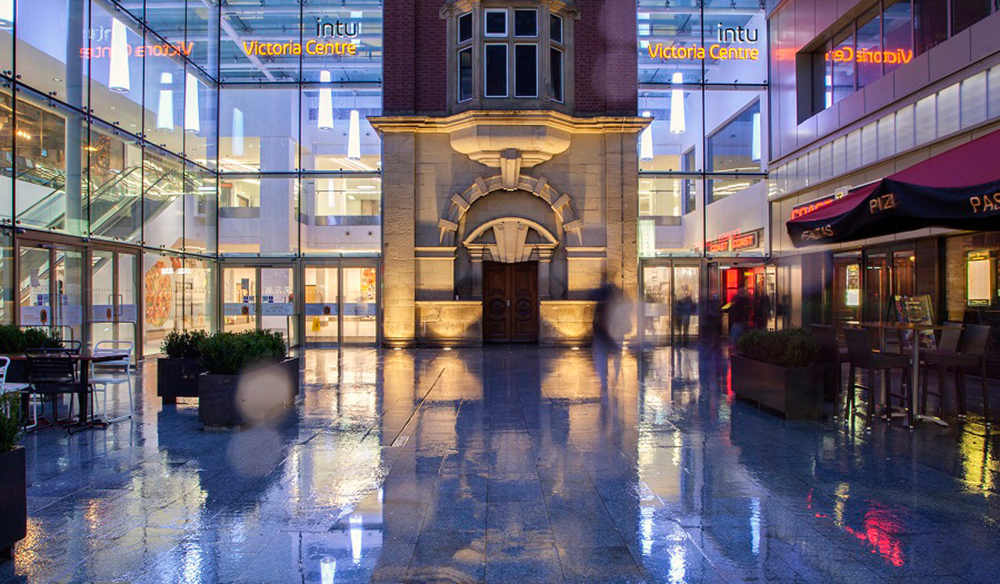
(739, 314)
(612, 322)
(684, 308)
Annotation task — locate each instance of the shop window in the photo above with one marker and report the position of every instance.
(525, 23)
(526, 71)
(735, 148)
(496, 70)
(897, 31)
(965, 13)
(930, 20)
(869, 55)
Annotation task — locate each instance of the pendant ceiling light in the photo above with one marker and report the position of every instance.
(646, 140)
(165, 108)
(6, 14)
(237, 132)
(118, 76)
(325, 121)
(192, 115)
(354, 134)
(677, 124)
(755, 137)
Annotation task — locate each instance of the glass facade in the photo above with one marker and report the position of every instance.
(180, 133)
(702, 80)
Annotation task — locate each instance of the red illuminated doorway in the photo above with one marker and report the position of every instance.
(761, 294)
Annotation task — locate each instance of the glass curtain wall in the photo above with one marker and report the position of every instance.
(185, 129)
(702, 80)
(112, 136)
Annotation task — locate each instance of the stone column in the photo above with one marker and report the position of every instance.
(398, 239)
(544, 271)
(476, 255)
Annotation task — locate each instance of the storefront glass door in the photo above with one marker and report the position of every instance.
(50, 287)
(114, 301)
(260, 297)
(670, 305)
(341, 300)
(322, 306)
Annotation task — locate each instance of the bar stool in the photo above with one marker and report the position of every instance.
(833, 356)
(862, 356)
(939, 357)
(118, 372)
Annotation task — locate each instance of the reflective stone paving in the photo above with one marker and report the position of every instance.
(510, 465)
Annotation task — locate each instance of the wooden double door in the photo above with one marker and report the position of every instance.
(510, 302)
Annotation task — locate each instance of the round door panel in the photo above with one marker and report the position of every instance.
(524, 308)
(497, 306)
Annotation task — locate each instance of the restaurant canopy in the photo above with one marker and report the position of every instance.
(958, 189)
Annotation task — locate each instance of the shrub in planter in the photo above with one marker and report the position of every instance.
(177, 374)
(13, 486)
(15, 340)
(247, 378)
(777, 369)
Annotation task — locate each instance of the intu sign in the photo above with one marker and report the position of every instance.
(723, 50)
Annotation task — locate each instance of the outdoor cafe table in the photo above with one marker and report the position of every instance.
(915, 388)
(85, 360)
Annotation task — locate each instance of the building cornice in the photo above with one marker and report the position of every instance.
(473, 118)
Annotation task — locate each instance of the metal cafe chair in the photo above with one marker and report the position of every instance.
(118, 372)
(939, 357)
(18, 388)
(863, 357)
(54, 375)
(63, 346)
(970, 356)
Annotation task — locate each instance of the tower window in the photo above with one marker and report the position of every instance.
(526, 70)
(525, 23)
(496, 23)
(465, 28)
(496, 70)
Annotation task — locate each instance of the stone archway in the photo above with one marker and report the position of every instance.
(511, 240)
(562, 204)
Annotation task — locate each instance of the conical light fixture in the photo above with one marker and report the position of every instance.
(118, 76)
(354, 136)
(6, 14)
(192, 116)
(677, 124)
(325, 117)
(755, 137)
(165, 109)
(237, 132)
(646, 140)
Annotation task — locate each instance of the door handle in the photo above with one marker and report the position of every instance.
(508, 303)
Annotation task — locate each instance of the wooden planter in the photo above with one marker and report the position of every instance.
(177, 378)
(226, 401)
(796, 392)
(13, 501)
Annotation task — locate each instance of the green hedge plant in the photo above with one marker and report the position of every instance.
(236, 353)
(14, 339)
(183, 345)
(10, 421)
(796, 347)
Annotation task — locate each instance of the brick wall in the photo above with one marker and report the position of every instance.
(415, 65)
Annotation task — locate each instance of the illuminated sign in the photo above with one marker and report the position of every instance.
(718, 51)
(734, 241)
(154, 50)
(849, 55)
(816, 204)
(312, 47)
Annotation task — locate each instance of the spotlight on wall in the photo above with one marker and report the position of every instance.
(646, 140)
(192, 116)
(165, 108)
(325, 121)
(677, 124)
(6, 14)
(118, 77)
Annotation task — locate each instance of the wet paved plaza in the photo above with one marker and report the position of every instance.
(510, 465)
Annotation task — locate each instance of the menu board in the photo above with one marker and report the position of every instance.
(980, 279)
(853, 285)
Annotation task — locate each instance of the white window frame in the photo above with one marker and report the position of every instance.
(562, 74)
(458, 64)
(514, 24)
(562, 28)
(458, 30)
(516, 94)
(506, 22)
(506, 70)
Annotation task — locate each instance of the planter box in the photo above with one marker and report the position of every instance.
(797, 392)
(13, 501)
(226, 401)
(177, 378)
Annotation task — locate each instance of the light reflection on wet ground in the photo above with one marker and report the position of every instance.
(509, 464)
